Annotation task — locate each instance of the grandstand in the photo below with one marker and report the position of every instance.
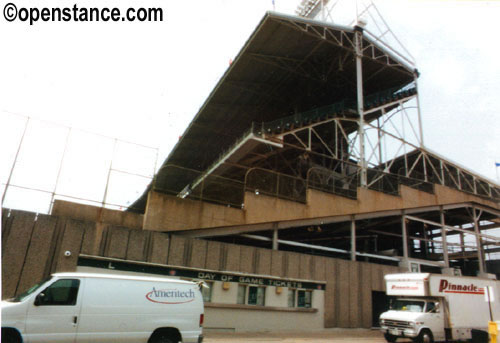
(284, 122)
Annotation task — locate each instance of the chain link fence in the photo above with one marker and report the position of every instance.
(41, 162)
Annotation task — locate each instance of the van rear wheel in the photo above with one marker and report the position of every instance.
(163, 339)
(165, 335)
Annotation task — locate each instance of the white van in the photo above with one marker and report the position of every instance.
(436, 307)
(83, 307)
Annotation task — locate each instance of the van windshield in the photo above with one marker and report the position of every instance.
(408, 305)
(22, 296)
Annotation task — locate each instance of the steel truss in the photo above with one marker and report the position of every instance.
(344, 38)
(365, 13)
(379, 144)
(327, 143)
(375, 141)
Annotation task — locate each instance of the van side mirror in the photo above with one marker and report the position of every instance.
(39, 299)
(202, 284)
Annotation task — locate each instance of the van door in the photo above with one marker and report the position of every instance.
(435, 314)
(53, 314)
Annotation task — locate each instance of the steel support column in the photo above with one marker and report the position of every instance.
(479, 241)
(361, 119)
(405, 236)
(275, 239)
(420, 126)
(444, 238)
(353, 239)
(462, 242)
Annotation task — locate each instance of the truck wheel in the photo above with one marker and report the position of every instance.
(390, 338)
(10, 336)
(165, 335)
(425, 337)
(163, 339)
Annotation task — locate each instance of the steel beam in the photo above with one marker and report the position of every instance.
(447, 227)
(319, 247)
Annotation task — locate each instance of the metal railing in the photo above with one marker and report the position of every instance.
(389, 95)
(267, 182)
(328, 181)
(305, 118)
(215, 189)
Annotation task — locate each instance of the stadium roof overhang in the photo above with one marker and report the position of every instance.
(288, 65)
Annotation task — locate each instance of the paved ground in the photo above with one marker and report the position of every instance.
(332, 335)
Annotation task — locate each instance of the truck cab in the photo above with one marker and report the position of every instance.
(420, 319)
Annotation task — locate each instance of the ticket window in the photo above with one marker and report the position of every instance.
(206, 292)
(304, 298)
(299, 298)
(251, 295)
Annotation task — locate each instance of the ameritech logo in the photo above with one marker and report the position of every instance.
(170, 296)
(448, 287)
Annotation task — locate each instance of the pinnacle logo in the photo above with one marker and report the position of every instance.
(406, 288)
(170, 296)
(448, 287)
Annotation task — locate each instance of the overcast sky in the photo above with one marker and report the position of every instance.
(144, 82)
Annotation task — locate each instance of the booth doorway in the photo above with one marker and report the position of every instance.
(380, 304)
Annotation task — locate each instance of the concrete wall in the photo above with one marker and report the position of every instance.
(166, 212)
(240, 318)
(222, 314)
(169, 213)
(97, 214)
(33, 246)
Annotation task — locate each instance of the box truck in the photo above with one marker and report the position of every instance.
(84, 307)
(433, 307)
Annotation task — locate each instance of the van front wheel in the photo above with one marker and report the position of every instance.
(425, 337)
(390, 338)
